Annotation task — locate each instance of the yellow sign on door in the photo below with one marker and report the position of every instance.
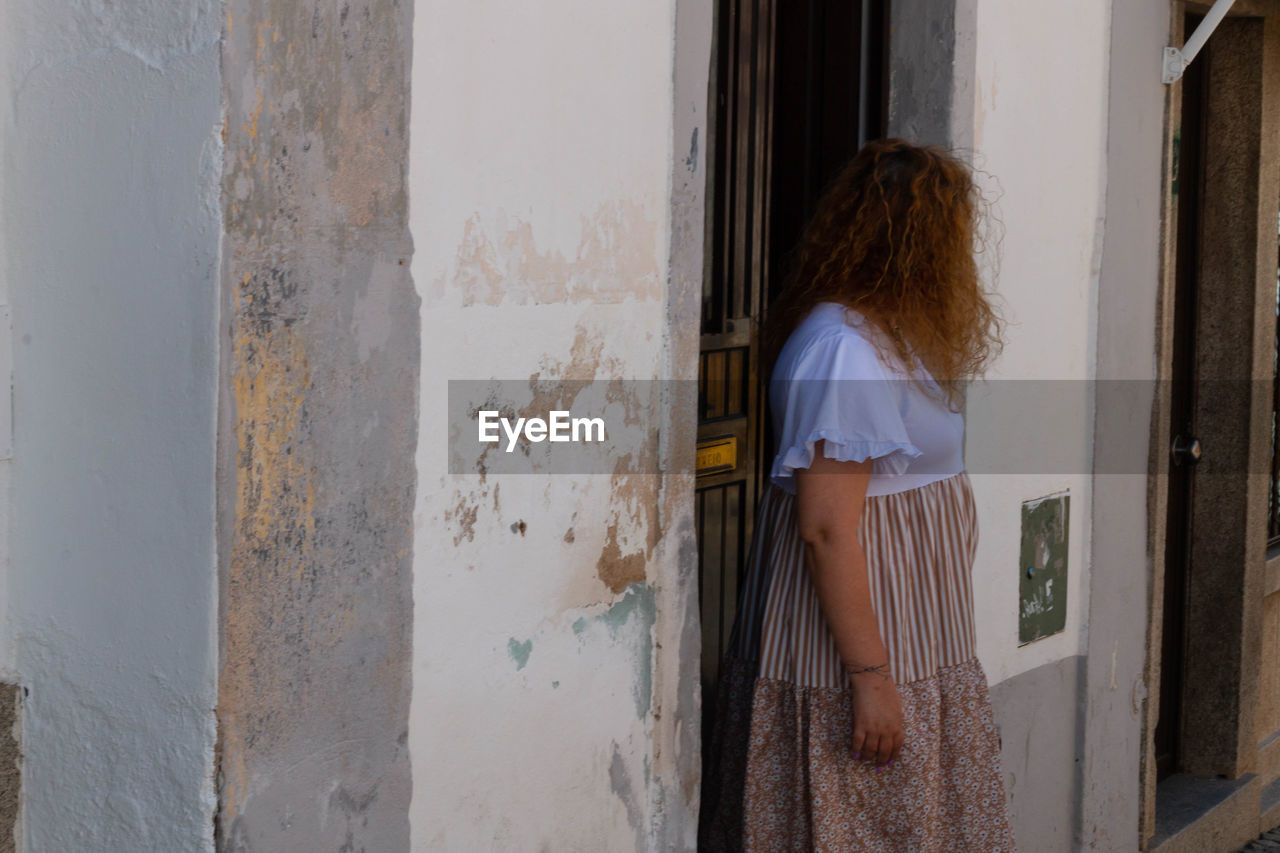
(717, 455)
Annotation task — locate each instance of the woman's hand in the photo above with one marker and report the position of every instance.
(877, 718)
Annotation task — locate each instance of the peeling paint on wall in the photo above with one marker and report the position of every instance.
(519, 651)
(636, 497)
(616, 569)
(559, 273)
(629, 620)
(622, 786)
(499, 261)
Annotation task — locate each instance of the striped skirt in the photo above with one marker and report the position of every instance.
(781, 774)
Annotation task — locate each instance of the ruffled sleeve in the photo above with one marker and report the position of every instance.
(838, 390)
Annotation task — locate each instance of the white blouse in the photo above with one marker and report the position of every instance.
(829, 383)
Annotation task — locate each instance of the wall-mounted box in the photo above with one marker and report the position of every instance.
(1042, 585)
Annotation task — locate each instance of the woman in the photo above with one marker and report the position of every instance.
(853, 713)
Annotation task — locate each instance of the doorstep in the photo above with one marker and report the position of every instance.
(1198, 815)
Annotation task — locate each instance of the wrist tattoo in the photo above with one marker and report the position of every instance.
(881, 669)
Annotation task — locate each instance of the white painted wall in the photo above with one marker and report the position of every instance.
(540, 199)
(1039, 134)
(7, 663)
(110, 139)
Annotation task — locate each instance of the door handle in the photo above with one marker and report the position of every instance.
(1185, 449)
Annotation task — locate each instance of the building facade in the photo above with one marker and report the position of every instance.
(254, 598)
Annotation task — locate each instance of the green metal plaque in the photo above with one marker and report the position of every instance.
(1042, 596)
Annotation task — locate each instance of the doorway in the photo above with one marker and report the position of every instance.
(796, 89)
(1216, 603)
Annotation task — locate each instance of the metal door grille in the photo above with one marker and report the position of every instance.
(796, 89)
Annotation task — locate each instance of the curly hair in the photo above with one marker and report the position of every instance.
(894, 238)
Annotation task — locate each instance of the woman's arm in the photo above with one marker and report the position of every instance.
(830, 496)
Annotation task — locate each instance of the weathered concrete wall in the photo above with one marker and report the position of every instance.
(1129, 318)
(922, 69)
(112, 154)
(677, 730)
(317, 433)
(1040, 737)
(557, 173)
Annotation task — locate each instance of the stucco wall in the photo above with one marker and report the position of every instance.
(556, 214)
(1039, 141)
(1035, 130)
(317, 434)
(1035, 116)
(7, 663)
(10, 757)
(110, 221)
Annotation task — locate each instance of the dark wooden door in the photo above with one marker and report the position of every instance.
(797, 87)
(1187, 184)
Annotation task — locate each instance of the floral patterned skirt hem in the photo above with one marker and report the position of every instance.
(787, 779)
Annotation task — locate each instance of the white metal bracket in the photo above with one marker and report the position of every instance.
(1175, 60)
